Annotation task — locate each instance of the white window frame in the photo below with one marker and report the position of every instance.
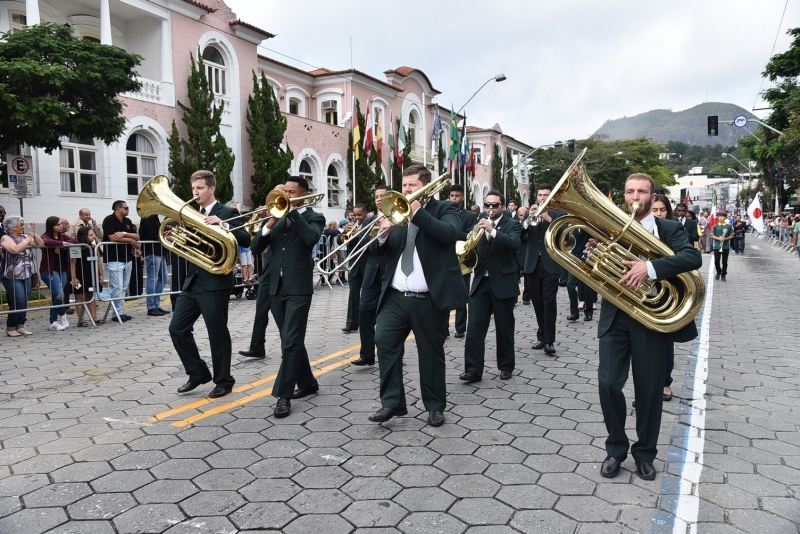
(299, 106)
(334, 188)
(16, 26)
(408, 127)
(301, 95)
(216, 72)
(309, 176)
(77, 147)
(141, 179)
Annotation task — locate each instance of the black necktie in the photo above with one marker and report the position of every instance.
(202, 211)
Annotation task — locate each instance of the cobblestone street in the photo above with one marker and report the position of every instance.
(96, 440)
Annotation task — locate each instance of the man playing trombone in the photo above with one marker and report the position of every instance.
(468, 221)
(422, 284)
(356, 275)
(291, 286)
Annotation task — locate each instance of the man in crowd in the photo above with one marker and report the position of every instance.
(795, 232)
(423, 283)
(495, 288)
(356, 275)
(576, 289)
(722, 233)
(512, 207)
(155, 264)
(118, 257)
(291, 240)
(522, 214)
(468, 221)
(370, 293)
(85, 219)
(624, 340)
(206, 294)
(542, 274)
(689, 225)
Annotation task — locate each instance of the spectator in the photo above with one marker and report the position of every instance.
(84, 282)
(155, 264)
(722, 233)
(53, 269)
(329, 235)
(118, 257)
(705, 232)
(179, 267)
(65, 260)
(739, 229)
(85, 219)
(2, 218)
(795, 232)
(17, 268)
(246, 261)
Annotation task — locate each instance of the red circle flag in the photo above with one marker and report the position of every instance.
(757, 213)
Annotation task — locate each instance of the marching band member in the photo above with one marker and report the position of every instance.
(355, 277)
(495, 288)
(423, 283)
(468, 221)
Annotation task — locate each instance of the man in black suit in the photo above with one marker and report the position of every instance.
(576, 289)
(370, 293)
(423, 283)
(689, 225)
(521, 215)
(625, 341)
(468, 221)
(356, 275)
(258, 338)
(291, 285)
(495, 288)
(208, 295)
(542, 273)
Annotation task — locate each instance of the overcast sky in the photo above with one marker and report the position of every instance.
(570, 65)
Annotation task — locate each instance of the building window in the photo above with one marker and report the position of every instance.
(333, 187)
(215, 70)
(18, 21)
(78, 162)
(412, 129)
(477, 154)
(329, 112)
(305, 172)
(294, 106)
(91, 37)
(141, 161)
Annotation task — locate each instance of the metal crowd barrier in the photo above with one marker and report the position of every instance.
(769, 238)
(325, 245)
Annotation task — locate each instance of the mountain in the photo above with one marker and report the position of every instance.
(689, 126)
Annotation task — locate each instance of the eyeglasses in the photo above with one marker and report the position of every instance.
(491, 204)
(125, 207)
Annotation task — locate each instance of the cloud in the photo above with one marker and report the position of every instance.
(570, 65)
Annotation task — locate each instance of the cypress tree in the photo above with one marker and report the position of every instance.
(513, 183)
(266, 129)
(497, 168)
(366, 181)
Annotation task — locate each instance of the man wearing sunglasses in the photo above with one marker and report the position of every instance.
(542, 273)
(495, 288)
(468, 221)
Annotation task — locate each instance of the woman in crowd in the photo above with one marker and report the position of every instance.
(82, 275)
(17, 267)
(662, 208)
(54, 270)
(329, 234)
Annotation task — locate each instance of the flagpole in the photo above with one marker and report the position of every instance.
(355, 122)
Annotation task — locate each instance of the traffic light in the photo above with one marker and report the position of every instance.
(713, 125)
(571, 146)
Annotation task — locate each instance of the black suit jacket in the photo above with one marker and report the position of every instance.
(438, 222)
(375, 266)
(497, 256)
(468, 222)
(690, 226)
(217, 282)
(291, 242)
(536, 248)
(686, 258)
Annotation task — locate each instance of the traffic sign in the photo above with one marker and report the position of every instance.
(21, 186)
(740, 121)
(20, 165)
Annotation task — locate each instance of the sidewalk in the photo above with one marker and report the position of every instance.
(96, 440)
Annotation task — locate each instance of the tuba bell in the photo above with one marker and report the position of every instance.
(209, 247)
(663, 305)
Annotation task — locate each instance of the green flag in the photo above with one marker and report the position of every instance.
(455, 141)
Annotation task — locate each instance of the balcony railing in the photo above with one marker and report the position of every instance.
(150, 91)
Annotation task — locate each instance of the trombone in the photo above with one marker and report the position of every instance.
(357, 232)
(278, 204)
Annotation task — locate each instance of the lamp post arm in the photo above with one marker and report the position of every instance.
(473, 95)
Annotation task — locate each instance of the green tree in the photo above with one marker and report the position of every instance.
(54, 84)
(512, 184)
(204, 146)
(266, 129)
(497, 168)
(366, 179)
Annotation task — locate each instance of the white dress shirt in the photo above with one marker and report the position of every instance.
(415, 281)
(649, 223)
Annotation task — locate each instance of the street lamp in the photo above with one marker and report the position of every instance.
(497, 78)
(748, 167)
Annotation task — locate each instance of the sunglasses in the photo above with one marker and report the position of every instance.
(491, 204)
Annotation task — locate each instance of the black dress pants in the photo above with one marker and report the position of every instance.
(461, 313)
(353, 300)
(543, 288)
(291, 316)
(483, 305)
(258, 338)
(368, 312)
(721, 261)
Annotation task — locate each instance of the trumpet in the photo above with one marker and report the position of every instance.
(533, 218)
(278, 204)
(349, 234)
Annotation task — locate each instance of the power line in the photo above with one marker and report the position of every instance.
(772, 53)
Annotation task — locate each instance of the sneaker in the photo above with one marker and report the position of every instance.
(63, 320)
(57, 326)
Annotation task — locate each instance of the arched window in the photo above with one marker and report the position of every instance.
(334, 190)
(141, 159)
(215, 70)
(412, 130)
(305, 172)
(78, 166)
(294, 106)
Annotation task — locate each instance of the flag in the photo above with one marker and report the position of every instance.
(756, 215)
(379, 136)
(464, 142)
(472, 159)
(356, 133)
(454, 140)
(392, 153)
(712, 219)
(401, 144)
(688, 199)
(368, 132)
(468, 163)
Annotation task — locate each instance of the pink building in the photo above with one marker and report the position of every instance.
(317, 103)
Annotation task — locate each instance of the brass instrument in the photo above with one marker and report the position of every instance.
(533, 218)
(465, 250)
(209, 247)
(664, 305)
(356, 231)
(353, 230)
(278, 204)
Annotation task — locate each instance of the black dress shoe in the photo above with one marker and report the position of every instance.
(470, 377)
(526, 302)
(645, 470)
(573, 317)
(299, 393)
(384, 414)
(219, 391)
(666, 397)
(505, 375)
(539, 345)
(192, 384)
(162, 310)
(155, 312)
(362, 361)
(459, 335)
(611, 466)
(349, 330)
(435, 418)
(260, 354)
(126, 318)
(549, 348)
(562, 284)
(587, 316)
(283, 408)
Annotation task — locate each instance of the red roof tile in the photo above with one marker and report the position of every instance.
(239, 22)
(406, 71)
(321, 72)
(207, 7)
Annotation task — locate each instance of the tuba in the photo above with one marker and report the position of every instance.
(209, 247)
(664, 305)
